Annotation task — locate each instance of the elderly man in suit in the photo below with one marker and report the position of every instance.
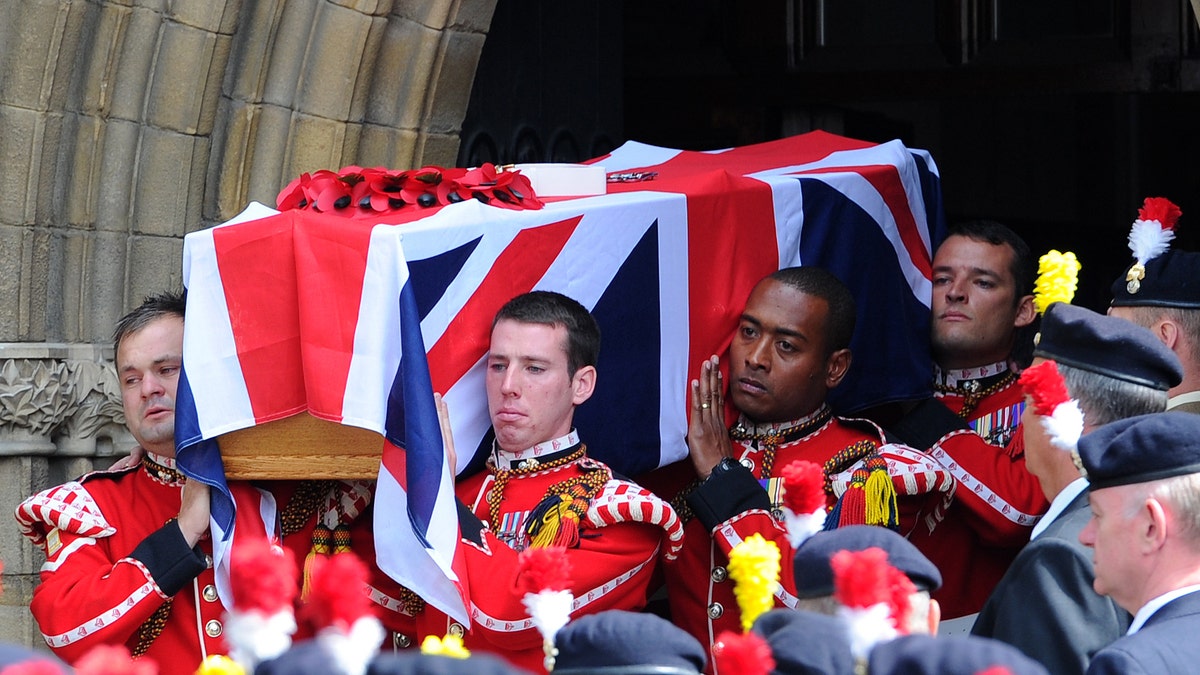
(1044, 604)
(1145, 530)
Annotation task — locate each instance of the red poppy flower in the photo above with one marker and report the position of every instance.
(294, 195)
(357, 192)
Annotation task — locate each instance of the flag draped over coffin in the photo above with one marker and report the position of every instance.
(313, 313)
(301, 311)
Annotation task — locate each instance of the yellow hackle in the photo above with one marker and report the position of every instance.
(451, 646)
(218, 664)
(754, 568)
(1058, 278)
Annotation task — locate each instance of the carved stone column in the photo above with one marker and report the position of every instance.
(60, 417)
(126, 124)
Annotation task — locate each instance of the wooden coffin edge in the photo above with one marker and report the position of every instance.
(301, 447)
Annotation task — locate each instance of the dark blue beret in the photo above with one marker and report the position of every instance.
(814, 576)
(948, 655)
(1171, 280)
(616, 641)
(14, 655)
(415, 663)
(311, 657)
(1141, 449)
(806, 642)
(307, 657)
(1080, 338)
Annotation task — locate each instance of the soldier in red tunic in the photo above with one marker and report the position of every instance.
(790, 348)
(983, 276)
(127, 551)
(541, 489)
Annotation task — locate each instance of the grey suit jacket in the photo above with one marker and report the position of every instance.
(1045, 606)
(1167, 643)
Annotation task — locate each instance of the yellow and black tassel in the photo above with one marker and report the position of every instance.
(322, 544)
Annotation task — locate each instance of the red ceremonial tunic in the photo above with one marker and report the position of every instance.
(728, 510)
(624, 532)
(997, 501)
(115, 557)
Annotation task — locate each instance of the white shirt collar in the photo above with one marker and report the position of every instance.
(745, 426)
(162, 460)
(162, 469)
(1060, 502)
(1186, 397)
(954, 377)
(1156, 604)
(513, 460)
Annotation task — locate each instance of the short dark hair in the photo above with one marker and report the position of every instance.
(157, 306)
(555, 309)
(1024, 265)
(820, 283)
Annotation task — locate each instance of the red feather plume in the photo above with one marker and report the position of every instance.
(543, 569)
(35, 667)
(1161, 209)
(860, 578)
(901, 608)
(803, 487)
(1044, 384)
(113, 660)
(743, 654)
(262, 577)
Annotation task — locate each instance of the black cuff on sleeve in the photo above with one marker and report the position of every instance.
(725, 494)
(171, 562)
(928, 422)
(469, 525)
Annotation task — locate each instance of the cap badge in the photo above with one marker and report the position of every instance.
(1134, 278)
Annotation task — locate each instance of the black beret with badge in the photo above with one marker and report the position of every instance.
(1080, 338)
(804, 643)
(1159, 277)
(412, 663)
(629, 643)
(949, 655)
(1170, 280)
(1142, 449)
(814, 574)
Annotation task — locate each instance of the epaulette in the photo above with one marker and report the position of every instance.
(558, 517)
(912, 472)
(68, 507)
(621, 501)
(868, 488)
(109, 473)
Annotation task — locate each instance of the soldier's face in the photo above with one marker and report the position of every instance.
(148, 365)
(974, 308)
(531, 396)
(779, 368)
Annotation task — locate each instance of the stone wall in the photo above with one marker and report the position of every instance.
(60, 417)
(126, 124)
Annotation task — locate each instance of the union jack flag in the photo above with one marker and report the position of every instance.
(297, 311)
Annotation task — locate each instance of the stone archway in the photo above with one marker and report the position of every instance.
(124, 125)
